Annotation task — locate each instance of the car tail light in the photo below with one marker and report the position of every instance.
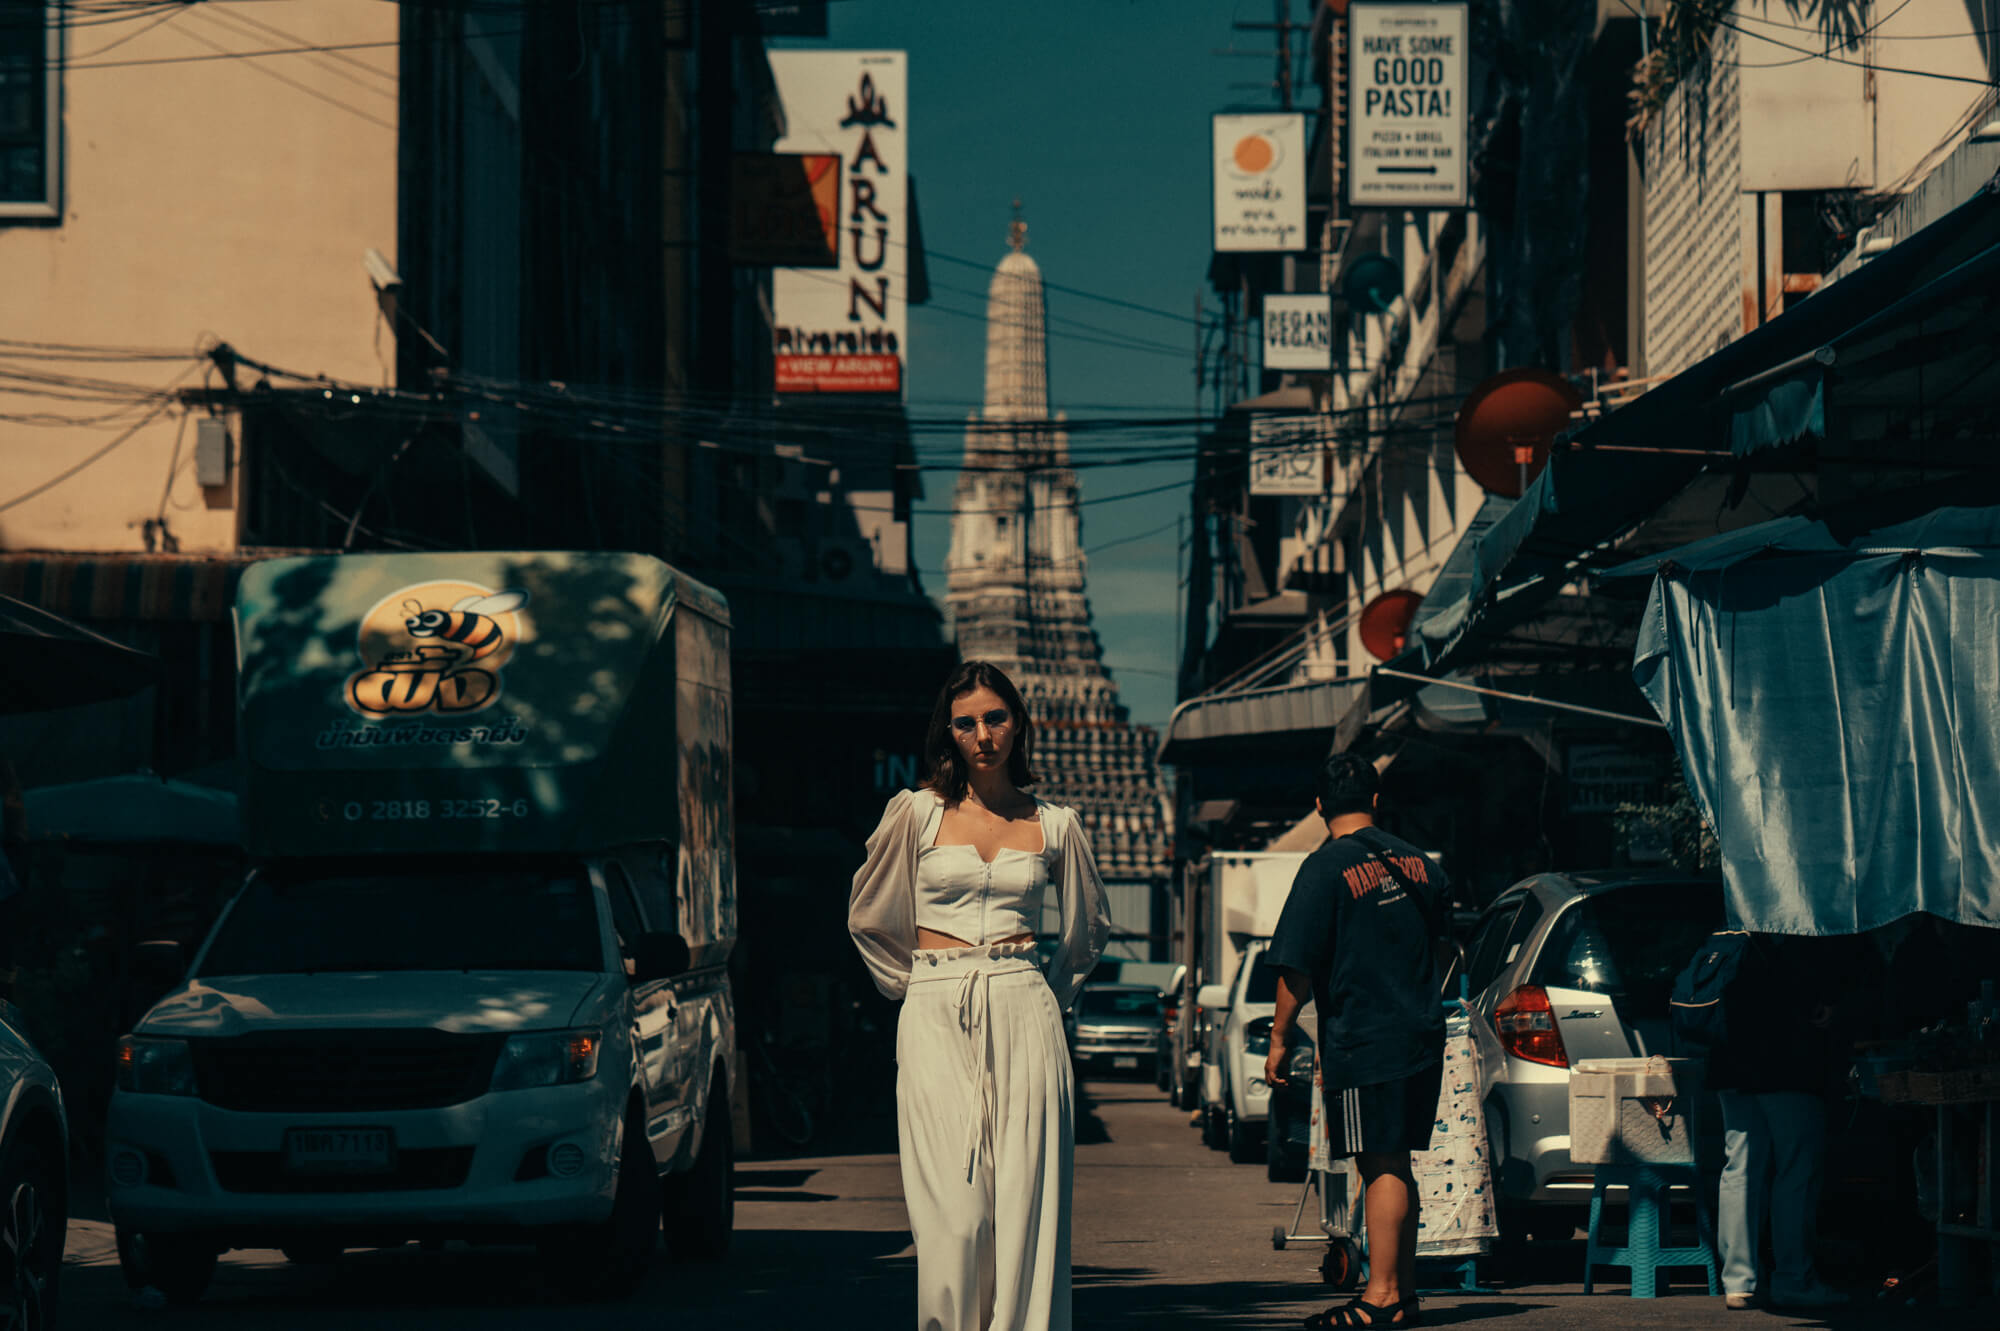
(1526, 1023)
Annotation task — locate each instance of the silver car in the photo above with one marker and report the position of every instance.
(1116, 1028)
(34, 1179)
(1564, 967)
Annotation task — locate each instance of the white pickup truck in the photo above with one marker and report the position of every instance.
(475, 986)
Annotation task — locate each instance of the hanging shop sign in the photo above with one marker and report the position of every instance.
(1604, 776)
(1406, 105)
(784, 210)
(1259, 168)
(1288, 455)
(844, 329)
(1298, 333)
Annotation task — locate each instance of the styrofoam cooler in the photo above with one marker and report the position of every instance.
(1633, 1111)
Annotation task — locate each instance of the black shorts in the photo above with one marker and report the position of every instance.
(1387, 1118)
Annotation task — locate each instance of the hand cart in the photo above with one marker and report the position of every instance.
(1466, 1233)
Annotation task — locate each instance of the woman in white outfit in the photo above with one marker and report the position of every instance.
(945, 913)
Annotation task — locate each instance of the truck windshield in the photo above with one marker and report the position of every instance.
(1262, 984)
(451, 916)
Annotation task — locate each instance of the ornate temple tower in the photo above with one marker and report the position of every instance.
(1015, 590)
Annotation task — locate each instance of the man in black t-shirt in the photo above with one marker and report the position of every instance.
(1356, 937)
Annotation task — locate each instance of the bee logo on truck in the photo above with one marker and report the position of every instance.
(436, 647)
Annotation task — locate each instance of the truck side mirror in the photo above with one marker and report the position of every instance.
(1213, 998)
(660, 956)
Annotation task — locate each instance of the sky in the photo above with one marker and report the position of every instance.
(1095, 114)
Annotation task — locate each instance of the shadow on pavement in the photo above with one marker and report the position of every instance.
(1090, 1129)
(838, 1280)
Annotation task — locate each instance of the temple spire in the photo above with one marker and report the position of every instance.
(1015, 584)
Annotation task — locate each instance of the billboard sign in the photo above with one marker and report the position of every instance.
(784, 209)
(1259, 176)
(844, 329)
(1298, 333)
(1406, 105)
(1288, 455)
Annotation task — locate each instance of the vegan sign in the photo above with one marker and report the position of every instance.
(1406, 89)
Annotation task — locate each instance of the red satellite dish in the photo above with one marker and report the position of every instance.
(1506, 425)
(1385, 623)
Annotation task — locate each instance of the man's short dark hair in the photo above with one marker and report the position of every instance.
(1347, 783)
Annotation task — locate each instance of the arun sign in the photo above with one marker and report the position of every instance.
(843, 329)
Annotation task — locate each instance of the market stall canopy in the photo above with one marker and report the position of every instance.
(137, 807)
(47, 661)
(1829, 685)
(1863, 347)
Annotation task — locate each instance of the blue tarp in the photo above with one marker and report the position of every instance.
(1835, 700)
(1765, 391)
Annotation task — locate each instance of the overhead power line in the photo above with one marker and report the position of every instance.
(1857, 64)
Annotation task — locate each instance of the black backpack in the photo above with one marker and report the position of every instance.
(1700, 1006)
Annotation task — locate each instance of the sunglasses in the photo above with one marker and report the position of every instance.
(997, 719)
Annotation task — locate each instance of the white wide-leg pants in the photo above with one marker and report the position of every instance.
(986, 1119)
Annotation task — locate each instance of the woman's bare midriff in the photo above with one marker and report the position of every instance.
(932, 940)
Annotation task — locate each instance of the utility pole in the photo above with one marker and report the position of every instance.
(1283, 27)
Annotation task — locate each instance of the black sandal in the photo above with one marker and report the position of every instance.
(1357, 1312)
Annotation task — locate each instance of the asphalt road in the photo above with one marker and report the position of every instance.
(1168, 1234)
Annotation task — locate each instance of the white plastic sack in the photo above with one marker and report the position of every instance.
(1454, 1178)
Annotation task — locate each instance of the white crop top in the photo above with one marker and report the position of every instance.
(908, 881)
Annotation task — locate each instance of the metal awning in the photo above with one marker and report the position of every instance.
(1289, 718)
(118, 586)
(1870, 337)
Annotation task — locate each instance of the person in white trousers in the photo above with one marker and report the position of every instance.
(944, 913)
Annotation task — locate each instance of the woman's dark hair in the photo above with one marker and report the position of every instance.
(1347, 783)
(947, 766)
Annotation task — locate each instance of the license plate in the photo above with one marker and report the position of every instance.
(1125, 1061)
(339, 1150)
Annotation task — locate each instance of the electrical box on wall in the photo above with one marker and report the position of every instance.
(211, 451)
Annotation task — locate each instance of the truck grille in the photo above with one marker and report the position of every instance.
(264, 1171)
(325, 1072)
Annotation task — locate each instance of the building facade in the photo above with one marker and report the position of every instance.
(1647, 205)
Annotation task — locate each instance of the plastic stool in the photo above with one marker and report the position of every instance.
(1646, 1207)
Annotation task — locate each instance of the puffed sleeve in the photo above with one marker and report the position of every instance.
(1086, 914)
(882, 908)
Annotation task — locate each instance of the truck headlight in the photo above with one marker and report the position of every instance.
(547, 1058)
(155, 1067)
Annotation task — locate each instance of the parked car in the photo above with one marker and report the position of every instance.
(1287, 1133)
(34, 1179)
(1170, 1013)
(1187, 1033)
(1565, 967)
(1116, 1028)
(1235, 1095)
